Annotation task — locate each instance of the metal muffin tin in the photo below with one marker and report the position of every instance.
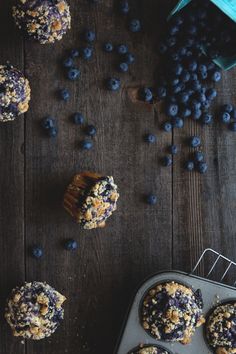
(213, 293)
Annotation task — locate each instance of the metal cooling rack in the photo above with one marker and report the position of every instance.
(229, 264)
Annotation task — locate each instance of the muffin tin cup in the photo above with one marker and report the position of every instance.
(133, 334)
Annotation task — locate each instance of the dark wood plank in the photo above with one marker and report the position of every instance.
(100, 279)
(11, 185)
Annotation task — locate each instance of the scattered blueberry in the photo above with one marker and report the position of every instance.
(172, 110)
(129, 58)
(71, 245)
(73, 74)
(145, 94)
(161, 92)
(198, 156)
(207, 118)
(196, 114)
(135, 25)
(167, 161)
(124, 7)
(37, 252)
(74, 53)
(108, 47)
(122, 49)
(113, 84)
(167, 126)
(216, 76)
(178, 122)
(232, 126)
(68, 63)
(78, 118)
(173, 149)
(64, 94)
(150, 138)
(227, 108)
(151, 199)
(89, 36)
(189, 165)
(86, 144)
(225, 117)
(90, 130)
(195, 141)
(123, 67)
(185, 112)
(48, 123)
(87, 53)
(202, 167)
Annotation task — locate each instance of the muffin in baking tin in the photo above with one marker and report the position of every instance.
(149, 349)
(171, 312)
(221, 328)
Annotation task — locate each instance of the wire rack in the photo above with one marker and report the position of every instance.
(217, 257)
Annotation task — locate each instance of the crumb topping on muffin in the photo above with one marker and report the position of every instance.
(34, 310)
(44, 20)
(14, 93)
(150, 350)
(221, 329)
(172, 311)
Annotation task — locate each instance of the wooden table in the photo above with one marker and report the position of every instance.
(193, 211)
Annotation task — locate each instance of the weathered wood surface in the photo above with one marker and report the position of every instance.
(193, 212)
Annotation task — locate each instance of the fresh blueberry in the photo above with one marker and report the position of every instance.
(185, 112)
(177, 69)
(64, 94)
(74, 53)
(73, 74)
(52, 132)
(122, 49)
(86, 144)
(227, 108)
(167, 161)
(71, 245)
(108, 47)
(225, 117)
(150, 138)
(135, 25)
(167, 126)
(87, 53)
(173, 149)
(232, 126)
(113, 84)
(211, 94)
(189, 165)
(123, 67)
(207, 118)
(195, 141)
(177, 88)
(183, 97)
(48, 123)
(196, 85)
(202, 68)
(178, 122)
(78, 118)
(196, 114)
(192, 66)
(90, 130)
(151, 199)
(124, 7)
(161, 92)
(68, 62)
(202, 167)
(195, 104)
(216, 76)
(145, 94)
(89, 36)
(172, 110)
(198, 156)
(37, 252)
(203, 75)
(201, 97)
(185, 76)
(129, 58)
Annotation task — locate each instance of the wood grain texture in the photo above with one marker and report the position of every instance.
(193, 211)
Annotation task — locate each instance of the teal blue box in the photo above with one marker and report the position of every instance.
(229, 8)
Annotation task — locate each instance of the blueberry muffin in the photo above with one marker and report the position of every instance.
(91, 198)
(171, 312)
(221, 329)
(14, 93)
(34, 310)
(149, 350)
(45, 21)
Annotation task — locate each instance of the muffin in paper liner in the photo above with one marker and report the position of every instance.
(91, 199)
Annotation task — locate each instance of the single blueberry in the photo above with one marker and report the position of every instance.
(172, 110)
(196, 114)
(151, 199)
(71, 245)
(37, 252)
(123, 67)
(216, 76)
(227, 108)
(108, 47)
(195, 104)
(198, 156)
(122, 49)
(232, 126)
(185, 76)
(89, 36)
(113, 84)
(73, 74)
(173, 149)
(206, 105)
(195, 141)
(211, 94)
(78, 118)
(135, 25)
(48, 123)
(86, 144)
(207, 118)
(52, 132)
(150, 138)
(225, 117)
(202, 68)
(87, 53)
(145, 94)
(192, 66)
(189, 165)
(178, 122)
(177, 69)
(68, 62)
(167, 161)
(161, 92)
(129, 58)
(183, 97)
(124, 7)
(90, 130)
(185, 112)
(202, 167)
(64, 94)
(167, 126)
(74, 53)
